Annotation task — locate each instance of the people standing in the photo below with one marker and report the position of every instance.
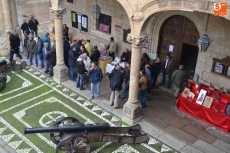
(95, 77)
(83, 50)
(25, 27)
(167, 66)
(177, 78)
(125, 56)
(66, 47)
(72, 62)
(51, 57)
(45, 51)
(126, 80)
(86, 61)
(26, 39)
(46, 39)
(66, 31)
(156, 70)
(80, 73)
(149, 75)
(95, 55)
(78, 44)
(112, 48)
(116, 80)
(14, 46)
(143, 85)
(31, 48)
(33, 25)
(38, 53)
(89, 47)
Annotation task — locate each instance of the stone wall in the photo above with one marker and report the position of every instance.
(3, 36)
(108, 7)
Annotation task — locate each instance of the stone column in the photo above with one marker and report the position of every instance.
(132, 109)
(7, 15)
(60, 70)
(14, 14)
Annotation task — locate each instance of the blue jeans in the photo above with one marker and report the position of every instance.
(71, 72)
(169, 78)
(16, 51)
(34, 31)
(80, 81)
(51, 70)
(143, 98)
(31, 58)
(97, 85)
(125, 92)
(39, 60)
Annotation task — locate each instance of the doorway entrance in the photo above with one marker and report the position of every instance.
(179, 33)
(189, 56)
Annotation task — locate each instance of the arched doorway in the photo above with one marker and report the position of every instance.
(178, 36)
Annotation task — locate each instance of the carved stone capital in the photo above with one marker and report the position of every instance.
(58, 12)
(136, 40)
(137, 16)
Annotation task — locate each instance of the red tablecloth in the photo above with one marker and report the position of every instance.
(209, 115)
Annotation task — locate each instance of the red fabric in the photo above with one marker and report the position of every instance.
(209, 115)
(104, 27)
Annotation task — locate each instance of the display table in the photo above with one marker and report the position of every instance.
(213, 115)
(103, 62)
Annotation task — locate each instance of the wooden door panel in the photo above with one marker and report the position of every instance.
(176, 30)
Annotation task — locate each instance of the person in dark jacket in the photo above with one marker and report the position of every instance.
(143, 86)
(126, 80)
(178, 78)
(38, 53)
(51, 57)
(83, 50)
(116, 80)
(77, 44)
(95, 77)
(14, 45)
(156, 70)
(46, 39)
(72, 62)
(66, 31)
(66, 51)
(95, 55)
(80, 73)
(25, 27)
(125, 56)
(33, 25)
(26, 39)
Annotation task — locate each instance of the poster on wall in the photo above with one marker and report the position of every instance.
(218, 68)
(79, 21)
(74, 19)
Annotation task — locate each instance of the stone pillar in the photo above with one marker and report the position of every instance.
(7, 15)
(14, 14)
(60, 70)
(132, 109)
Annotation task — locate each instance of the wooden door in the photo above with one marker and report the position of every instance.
(174, 31)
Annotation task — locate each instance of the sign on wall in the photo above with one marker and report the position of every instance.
(79, 21)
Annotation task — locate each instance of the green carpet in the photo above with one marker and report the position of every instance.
(32, 99)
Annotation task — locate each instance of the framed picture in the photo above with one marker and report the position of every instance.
(218, 68)
(191, 95)
(207, 101)
(185, 93)
(227, 109)
(201, 97)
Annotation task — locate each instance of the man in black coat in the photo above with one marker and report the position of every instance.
(25, 27)
(66, 51)
(72, 62)
(80, 73)
(95, 55)
(33, 25)
(14, 45)
(51, 57)
(116, 80)
(126, 80)
(77, 45)
(155, 69)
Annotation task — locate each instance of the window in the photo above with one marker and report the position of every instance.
(104, 23)
(70, 1)
(221, 67)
